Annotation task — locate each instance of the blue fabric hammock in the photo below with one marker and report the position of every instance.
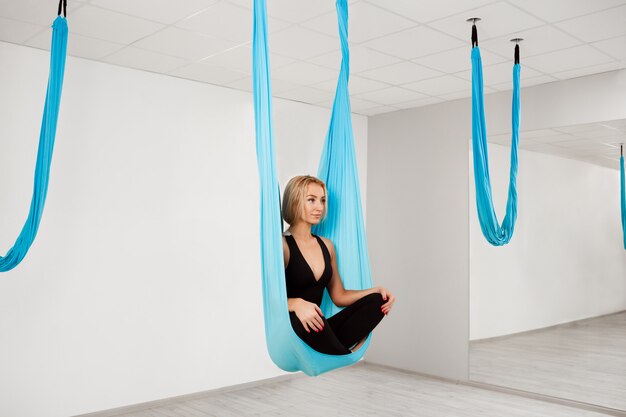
(343, 225)
(46, 144)
(494, 233)
(623, 197)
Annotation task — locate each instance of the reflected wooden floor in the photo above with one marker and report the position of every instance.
(583, 361)
(359, 391)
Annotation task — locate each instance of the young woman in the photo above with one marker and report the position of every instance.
(311, 266)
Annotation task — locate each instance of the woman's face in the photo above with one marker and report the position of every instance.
(314, 203)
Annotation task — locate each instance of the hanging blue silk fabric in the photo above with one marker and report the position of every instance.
(494, 233)
(623, 197)
(46, 145)
(344, 222)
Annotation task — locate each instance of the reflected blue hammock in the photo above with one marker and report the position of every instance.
(494, 233)
(622, 197)
(343, 224)
(46, 145)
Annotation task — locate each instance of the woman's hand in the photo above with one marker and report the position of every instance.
(387, 296)
(308, 313)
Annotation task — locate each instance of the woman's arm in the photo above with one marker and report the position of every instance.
(342, 297)
(285, 252)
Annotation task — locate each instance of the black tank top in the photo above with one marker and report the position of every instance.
(301, 282)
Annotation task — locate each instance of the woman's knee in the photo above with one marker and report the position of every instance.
(374, 298)
(373, 304)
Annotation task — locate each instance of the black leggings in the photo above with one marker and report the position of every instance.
(345, 329)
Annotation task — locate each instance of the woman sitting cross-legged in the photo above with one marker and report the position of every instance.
(311, 266)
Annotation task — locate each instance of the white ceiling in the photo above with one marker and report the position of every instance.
(404, 53)
(596, 143)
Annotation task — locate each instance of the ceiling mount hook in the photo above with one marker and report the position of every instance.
(473, 20)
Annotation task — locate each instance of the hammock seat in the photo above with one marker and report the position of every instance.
(343, 225)
(495, 233)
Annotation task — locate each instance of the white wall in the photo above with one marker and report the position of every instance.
(418, 224)
(144, 280)
(418, 237)
(566, 260)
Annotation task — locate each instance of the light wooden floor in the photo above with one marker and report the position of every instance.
(359, 391)
(583, 361)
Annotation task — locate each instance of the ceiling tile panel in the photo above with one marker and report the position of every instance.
(402, 73)
(457, 60)
(363, 85)
(391, 95)
(162, 11)
(536, 41)
(291, 10)
(414, 43)
(500, 73)
(277, 85)
(463, 94)
(589, 127)
(306, 95)
(184, 44)
(556, 10)
(303, 73)
(35, 11)
(524, 82)
(591, 70)
(78, 45)
(377, 110)
(615, 47)
(539, 133)
(567, 59)
(366, 22)
(597, 26)
(208, 73)
(227, 21)
(356, 85)
(358, 104)
(301, 43)
(145, 60)
(240, 59)
(418, 103)
(110, 26)
(498, 20)
(244, 84)
(18, 32)
(440, 85)
(558, 138)
(361, 59)
(457, 95)
(428, 10)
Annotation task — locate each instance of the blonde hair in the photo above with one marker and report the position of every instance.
(295, 195)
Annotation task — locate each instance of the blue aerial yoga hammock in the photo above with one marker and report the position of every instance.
(622, 194)
(46, 144)
(343, 224)
(494, 233)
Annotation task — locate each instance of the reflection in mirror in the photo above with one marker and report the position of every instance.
(548, 311)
